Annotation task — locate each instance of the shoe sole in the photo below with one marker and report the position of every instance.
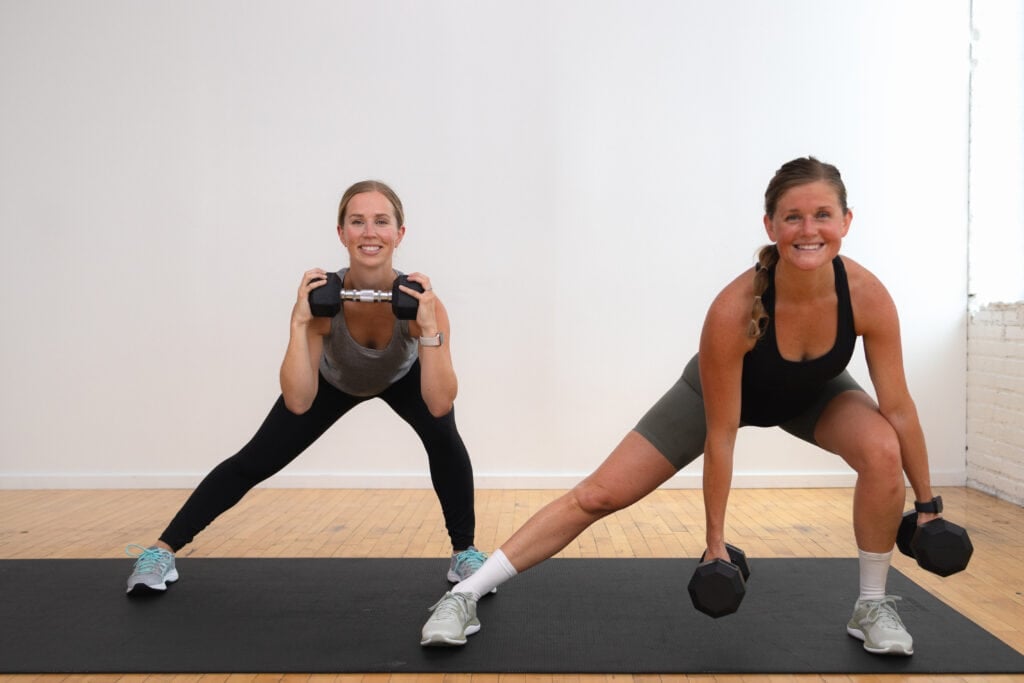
(891, 650)
(441, 640)
(143, 588)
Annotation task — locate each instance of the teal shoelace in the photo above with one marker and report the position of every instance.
(148, 560)
(470, 558)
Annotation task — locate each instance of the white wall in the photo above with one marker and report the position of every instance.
(996, 184)
(580, 179)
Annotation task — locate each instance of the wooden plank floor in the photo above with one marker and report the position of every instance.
(407, 523)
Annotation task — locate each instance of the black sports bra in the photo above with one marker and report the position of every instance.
(775, 389)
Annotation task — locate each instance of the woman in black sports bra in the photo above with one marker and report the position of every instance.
(809, 306)
(773, 352)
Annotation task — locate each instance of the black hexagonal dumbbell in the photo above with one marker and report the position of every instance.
(939, 546)
(717, 587)
(326, 301)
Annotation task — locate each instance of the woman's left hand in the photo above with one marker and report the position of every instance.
(426, 312)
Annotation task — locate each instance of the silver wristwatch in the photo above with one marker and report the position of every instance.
(436, 340)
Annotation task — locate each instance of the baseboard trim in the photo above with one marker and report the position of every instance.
(684, 480)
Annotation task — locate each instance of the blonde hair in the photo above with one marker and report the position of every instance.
(371, 186)
(791, 174)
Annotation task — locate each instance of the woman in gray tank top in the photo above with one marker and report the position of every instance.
(330, 366)
(750, 372)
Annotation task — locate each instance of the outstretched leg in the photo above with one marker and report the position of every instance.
(279, 440)
(634, 469)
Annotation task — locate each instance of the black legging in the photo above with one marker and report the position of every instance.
(284, 435)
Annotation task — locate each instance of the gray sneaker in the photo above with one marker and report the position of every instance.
(453, 618)
(876, 623)
(465, 564)
(154, 569)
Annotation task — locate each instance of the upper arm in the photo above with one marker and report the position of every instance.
(723, 344)
(877, 322)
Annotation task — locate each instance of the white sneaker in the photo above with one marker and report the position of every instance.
(453, 618)
(876, 623)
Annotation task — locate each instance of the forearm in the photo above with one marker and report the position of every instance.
(717, 483)
(438, 383)
(298, 374)
(914, 453)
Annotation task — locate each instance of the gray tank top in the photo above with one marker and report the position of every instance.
(360, 371)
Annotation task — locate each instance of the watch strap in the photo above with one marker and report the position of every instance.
(933, 506)
(436, 340)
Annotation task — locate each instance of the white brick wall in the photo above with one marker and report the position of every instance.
(995, 401)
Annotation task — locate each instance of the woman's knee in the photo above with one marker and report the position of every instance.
(246, 468)
(595, 499)
(852, 427)
(881, 457)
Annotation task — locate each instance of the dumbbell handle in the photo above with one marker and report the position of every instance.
(365, 295)
(404, 305)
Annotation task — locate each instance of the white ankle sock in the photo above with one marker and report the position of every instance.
(874, 570)
(495, 571)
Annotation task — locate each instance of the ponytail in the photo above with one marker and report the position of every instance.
(766, 258)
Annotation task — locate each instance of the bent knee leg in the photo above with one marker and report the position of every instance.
(596, 500)
(879, 461)
(852, 427)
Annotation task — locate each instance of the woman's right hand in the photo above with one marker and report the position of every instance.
(716, 551)
(311, 279)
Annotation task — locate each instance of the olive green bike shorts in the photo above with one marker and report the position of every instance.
(676, 424)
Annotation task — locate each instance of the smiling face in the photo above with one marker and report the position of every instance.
(808, 224)
(369, 229)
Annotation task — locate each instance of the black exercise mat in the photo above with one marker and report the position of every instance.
(364, 615)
